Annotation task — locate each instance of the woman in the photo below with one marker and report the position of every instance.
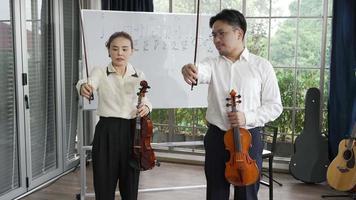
(117, 86)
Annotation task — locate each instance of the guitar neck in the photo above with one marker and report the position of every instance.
(352, 138)
(350, 143)
(353, 133)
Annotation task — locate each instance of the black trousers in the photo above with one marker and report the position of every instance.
(218, 188)
(111, 153)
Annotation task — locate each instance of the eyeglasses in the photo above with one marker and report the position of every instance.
(220, 34)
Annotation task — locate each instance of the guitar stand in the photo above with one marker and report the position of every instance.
(352, 196)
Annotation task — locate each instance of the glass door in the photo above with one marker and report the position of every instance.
(9, 149)
(38, 101)
(40, 93)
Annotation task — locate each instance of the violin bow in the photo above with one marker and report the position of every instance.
(196, 42)
(84, 46)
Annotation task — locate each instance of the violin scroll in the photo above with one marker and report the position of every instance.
(144, 86)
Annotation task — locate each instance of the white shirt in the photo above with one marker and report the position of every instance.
(117, 95)
(252, 77)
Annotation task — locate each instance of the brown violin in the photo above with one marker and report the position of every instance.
(241, 169)
(142, 150)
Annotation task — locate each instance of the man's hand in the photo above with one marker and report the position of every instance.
(237, 119)
(190, 73)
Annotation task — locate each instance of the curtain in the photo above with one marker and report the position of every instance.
(342, 99)
(128, 5)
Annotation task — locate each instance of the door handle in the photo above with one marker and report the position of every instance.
(27, 104)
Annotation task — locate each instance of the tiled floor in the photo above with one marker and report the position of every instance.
(180, 175)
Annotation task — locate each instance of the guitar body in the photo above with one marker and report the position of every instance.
(341, 173)
(310, 161)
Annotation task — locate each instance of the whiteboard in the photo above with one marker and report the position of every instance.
(163, 43)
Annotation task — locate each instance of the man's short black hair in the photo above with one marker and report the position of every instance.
(232, 17)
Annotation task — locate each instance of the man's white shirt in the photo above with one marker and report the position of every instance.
(252, 77)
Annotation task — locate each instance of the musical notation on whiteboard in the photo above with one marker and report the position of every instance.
(163, 43)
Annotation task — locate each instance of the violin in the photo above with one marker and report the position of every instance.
(241, 169)
(142, 150)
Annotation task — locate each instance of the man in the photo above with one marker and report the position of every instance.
(250, 76)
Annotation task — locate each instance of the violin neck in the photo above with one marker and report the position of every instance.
(139, 100)
(138, 123)
(237, 137)
(138, 118)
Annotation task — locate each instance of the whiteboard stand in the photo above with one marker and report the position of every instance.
(82, 153)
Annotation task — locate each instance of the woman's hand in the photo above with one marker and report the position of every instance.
(143, 110)
(86, 90)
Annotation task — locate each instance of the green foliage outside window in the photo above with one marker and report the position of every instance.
(293, 46)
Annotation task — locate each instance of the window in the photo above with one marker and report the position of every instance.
(289, 33)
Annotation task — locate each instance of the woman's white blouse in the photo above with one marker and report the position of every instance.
(117, 95)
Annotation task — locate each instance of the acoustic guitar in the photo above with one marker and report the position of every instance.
(310, 161)
(341, 174)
